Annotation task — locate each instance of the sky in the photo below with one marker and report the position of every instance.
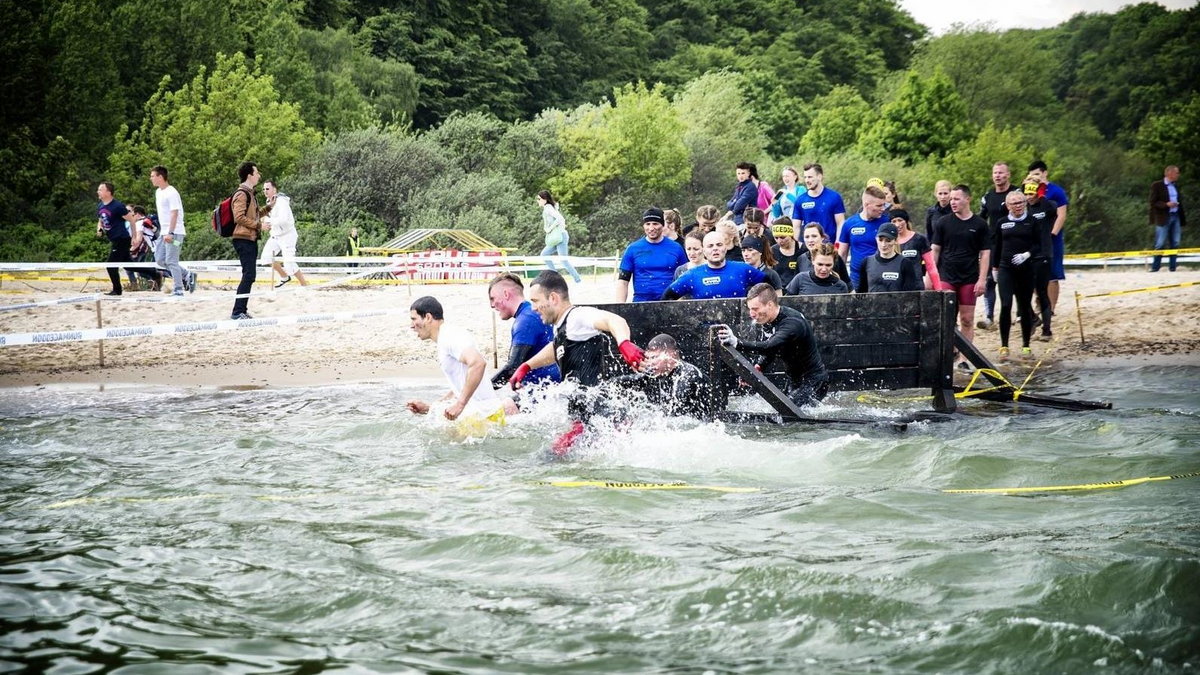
(938, 15)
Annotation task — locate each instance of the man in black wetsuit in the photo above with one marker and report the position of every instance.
(676, 387)
(590, 346)
(783, 334)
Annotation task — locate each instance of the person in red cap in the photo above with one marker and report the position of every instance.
(590, 346)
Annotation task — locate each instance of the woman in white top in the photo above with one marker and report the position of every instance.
(555, 227)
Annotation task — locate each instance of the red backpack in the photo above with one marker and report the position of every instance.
(223, 221)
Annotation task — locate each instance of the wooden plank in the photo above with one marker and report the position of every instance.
(1005, 396)
(939, 311)
(878, 355)
(868, 329)
(874, 379)
(779, 400)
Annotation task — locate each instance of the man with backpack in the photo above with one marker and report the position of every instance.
(245, 234)
(170, 214)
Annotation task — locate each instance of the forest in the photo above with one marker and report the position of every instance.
(389, 116)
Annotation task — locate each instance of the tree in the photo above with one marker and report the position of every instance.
(719, 128)
(1172, 136)
(635, 143)
(840, 117)
(205, 129)
(971, 162)
(927, 119)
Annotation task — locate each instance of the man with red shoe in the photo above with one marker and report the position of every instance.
(590, 346)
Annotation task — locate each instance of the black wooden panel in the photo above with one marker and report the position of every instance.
(870, 329)
(871, 356)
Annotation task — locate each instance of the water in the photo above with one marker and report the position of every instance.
(310, 529)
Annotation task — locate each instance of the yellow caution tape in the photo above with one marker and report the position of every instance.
(967, 391)
(1071, 488)
(636, 485)
(1148, 289)
(1131, 254)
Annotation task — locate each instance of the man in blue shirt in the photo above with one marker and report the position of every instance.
(858, 232)
(1056, 194)
(718, 278)
(649, 262)
(745, 193)
(819, 204)
(507, 295)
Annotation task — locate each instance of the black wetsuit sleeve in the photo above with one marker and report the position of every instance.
(790, 329)
(517, 355)
(670, 295)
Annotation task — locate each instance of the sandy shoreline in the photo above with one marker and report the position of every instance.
(1159, 327)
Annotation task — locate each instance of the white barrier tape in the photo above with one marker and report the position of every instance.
(496, 263)
(223, 297)
(116, 333)
(48, 303)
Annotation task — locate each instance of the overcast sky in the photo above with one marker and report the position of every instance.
(939, 14)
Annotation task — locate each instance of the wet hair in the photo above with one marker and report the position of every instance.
(1038, 165)
(707, 212)
(963, 188)
(245, 169)
(763, 292)
(754, 215)
(549, 198)
(815, 167)
(509, 278)
(662, 341)
(161, 171)
(428, 306)
(552, 282)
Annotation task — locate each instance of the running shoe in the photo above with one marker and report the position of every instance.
(191, 282)
(113, 293)
(1004, 353)
(1026, 354)
(241, 316)
(284, 281)
(965, 366)
(1045, 337)
(985, 324)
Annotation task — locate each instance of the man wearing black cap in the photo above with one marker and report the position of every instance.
(887, 270)
(649, 262)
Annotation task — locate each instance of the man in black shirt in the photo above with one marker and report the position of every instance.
(962, 251)
(993, 210)
(783, 334)
(110, 223)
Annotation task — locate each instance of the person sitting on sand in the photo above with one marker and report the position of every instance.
(461, 362)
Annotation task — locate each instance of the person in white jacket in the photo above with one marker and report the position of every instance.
(282, 244)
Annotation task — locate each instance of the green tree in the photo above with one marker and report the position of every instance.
(1172, 136)
(971, 163)
(927, 119)
(719, 128)
(841, 115)
(635, 143)
(205, 129)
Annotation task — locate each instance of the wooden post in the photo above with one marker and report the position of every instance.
(408, 273)
(1079, 317)
(100, 324)
(495, 350)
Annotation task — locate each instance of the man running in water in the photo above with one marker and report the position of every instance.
(590, 346)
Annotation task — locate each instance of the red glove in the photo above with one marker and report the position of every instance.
(518, 375)
(632, 354)
(562, 444)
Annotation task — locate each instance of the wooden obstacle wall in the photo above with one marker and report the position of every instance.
(868, 341)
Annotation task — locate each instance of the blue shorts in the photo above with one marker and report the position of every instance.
(1057, 273)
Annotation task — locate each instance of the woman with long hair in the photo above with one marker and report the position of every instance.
(820, 279)
(813, 236)
(556, 240)
(916, 245)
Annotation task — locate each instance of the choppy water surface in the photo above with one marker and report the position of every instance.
(310, 529)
